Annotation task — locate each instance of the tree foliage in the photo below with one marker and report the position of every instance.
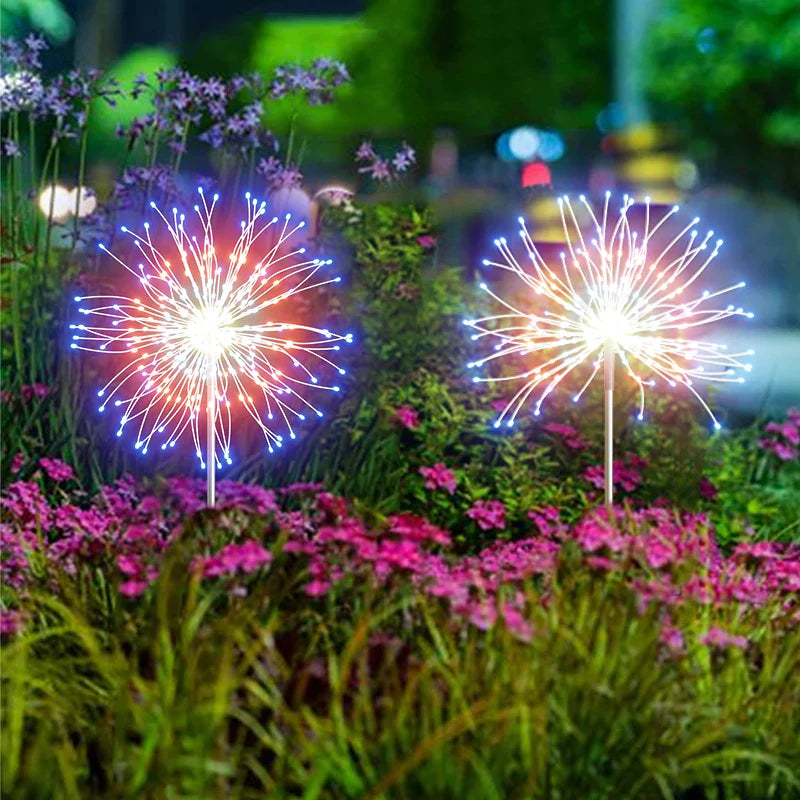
(730, 70)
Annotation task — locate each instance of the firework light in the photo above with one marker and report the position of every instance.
(207, 333)
(613, 292)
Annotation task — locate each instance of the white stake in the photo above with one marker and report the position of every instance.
(211, 411)
(608, 383)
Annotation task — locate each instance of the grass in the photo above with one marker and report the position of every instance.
(191, 692)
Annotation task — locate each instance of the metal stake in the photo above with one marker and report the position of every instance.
(608, 385)
(211, 417)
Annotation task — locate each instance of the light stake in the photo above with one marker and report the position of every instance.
(617, 294)
(208, 332)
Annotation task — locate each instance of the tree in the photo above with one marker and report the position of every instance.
(730, 71)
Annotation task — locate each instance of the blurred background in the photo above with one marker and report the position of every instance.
(509, 104)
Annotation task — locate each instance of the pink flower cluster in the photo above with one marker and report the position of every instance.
(119, 527)
(569, 436)
(439, 477)
(627, 474)
(488, 514)
(27, 393)
(783, 438)
(667, 560)
(235, 558)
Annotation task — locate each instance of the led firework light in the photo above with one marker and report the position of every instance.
(207, 332)
(612, 293)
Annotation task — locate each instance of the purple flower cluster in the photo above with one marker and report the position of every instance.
(65, 99)
(279, 175)
(180, 100)
(384, 170)
(22, 56)
(316, 83)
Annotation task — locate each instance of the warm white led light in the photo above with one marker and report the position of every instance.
(613, 288)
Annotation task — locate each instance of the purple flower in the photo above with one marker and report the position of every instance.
(365, 151)
(9, 148)
(316, 84)
(404, 158)
(279, 175)
(378, 170)
(383, 169)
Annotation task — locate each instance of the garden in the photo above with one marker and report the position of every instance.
(392, 597)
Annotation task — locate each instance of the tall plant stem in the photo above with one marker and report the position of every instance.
(51, 210)
(81, 170)
(211, 417)
(14, 189)
(36, 215)
(608, 386)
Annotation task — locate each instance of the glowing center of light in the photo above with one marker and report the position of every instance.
(609, 324)
(209, 332)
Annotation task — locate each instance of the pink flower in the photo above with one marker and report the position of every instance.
(784, 437)
(246, 557)
(707, 489)
(602, 563)
(331, 505)
(517, 623)
(317, 588)
(417, 529)
(788, 430)
(627, 476)
(407, 417)
(596, 476)
(657, 551)
(547, 520)
(721, 639)
(17, 462)
(9, 621)
(488, 514)
(672, 638)
(426, 240)
(439, 477)
(130, 565)
(56, 469)
(483, 614)
(570, 436)
(133, 588)
(37, 390)
(784, 451)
